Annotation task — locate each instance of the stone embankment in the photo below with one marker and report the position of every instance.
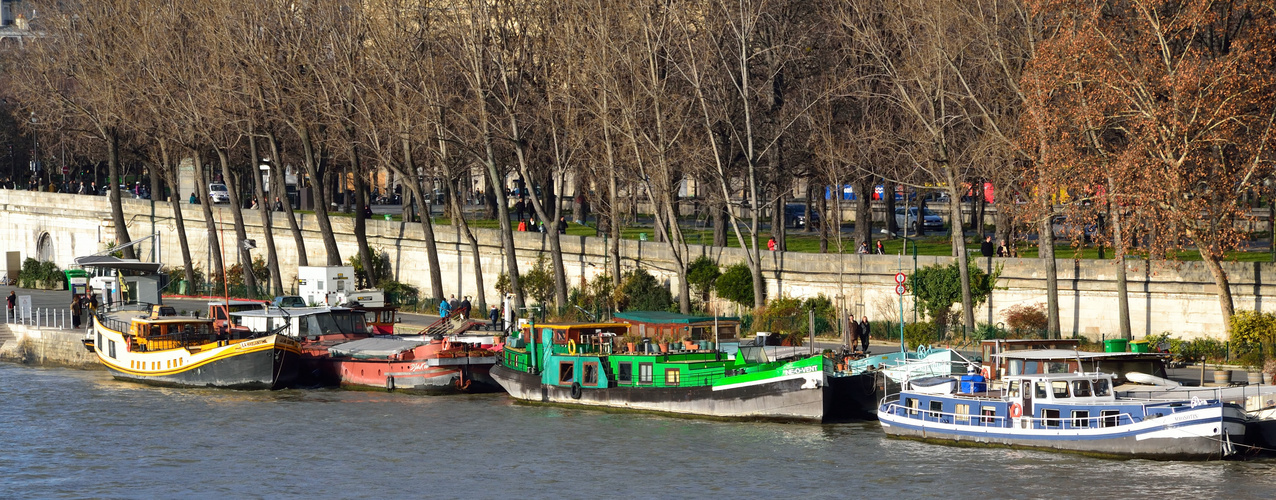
(45, 346)
(1179, 298)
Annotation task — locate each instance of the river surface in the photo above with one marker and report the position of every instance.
(80, 434)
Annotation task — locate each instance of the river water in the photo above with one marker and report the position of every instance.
(81, 434)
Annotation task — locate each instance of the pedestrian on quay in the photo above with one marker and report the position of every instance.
(519, 208)
(881, 250)
(194, 199)
(986, 248)
(452, 304)
(522, 225)
(863, 247)
(494, 316)
(853, 328)
(864, 334)
(562, 225)
(444, 308)
(770, 244)
(465, 306)
(13, 302)
(76, 309)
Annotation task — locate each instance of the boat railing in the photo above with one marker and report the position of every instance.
(1206, 393)
(980, 420)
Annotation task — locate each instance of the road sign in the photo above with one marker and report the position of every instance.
(901, 289)
(900, 278)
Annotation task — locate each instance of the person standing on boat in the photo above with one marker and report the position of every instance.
(864, 334)
(76, 309)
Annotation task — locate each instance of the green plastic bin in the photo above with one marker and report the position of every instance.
(1114, 345)
(1140, 346)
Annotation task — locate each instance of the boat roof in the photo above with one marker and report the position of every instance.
(170, 320)
(276, 312)
(668, 317)
(1043, 354)
(237, 302)
(1061, 376)
(579, 326)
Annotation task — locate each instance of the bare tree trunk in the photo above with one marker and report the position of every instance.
(779, 226)
(277, 174)
(218, 271)
(824, 224)
(361, 223)
(1224, 289)
(237, 214)
(264, 208)
(117, 208)
(316, 169)
(1123, 293)
(959, 246)
(863, 211)
(1045, 248)
(888, 198)
(427, 225)
(176, 201)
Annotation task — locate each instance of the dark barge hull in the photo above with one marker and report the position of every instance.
(779, 400)
(267, 369)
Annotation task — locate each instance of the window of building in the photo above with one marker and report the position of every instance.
(672, 376)
(1059, 388)
(1109, 418)
(1080, 419)
(590, 374)
(566, 372)
(1081, 388)
(1051, 418)
(625, 373)
(645, 373)
(963, 414)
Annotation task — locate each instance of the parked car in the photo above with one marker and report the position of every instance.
(289, 301)
(931, 221)
(795, 215)
(217, 193)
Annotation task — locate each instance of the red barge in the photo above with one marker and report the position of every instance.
(339, 348)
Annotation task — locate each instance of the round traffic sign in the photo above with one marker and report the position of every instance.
(900, 278)
(901, 289)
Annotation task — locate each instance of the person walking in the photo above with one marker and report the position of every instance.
(522, 225)
(76, 309)
(864, 328)
(770, 244)
(863, 247)
(444, 309)
(853, 328)
(465, 306)
(986, 248)
(881, 250)
(194, 199)
(13, 302)
(279, 206)
(562, 225)
(494, 316)
(1002, 251)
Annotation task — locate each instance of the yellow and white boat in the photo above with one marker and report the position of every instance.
(168, 350)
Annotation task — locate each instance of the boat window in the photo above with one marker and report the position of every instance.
(963, 414)
(1051, 417)
(1059, 388)
(1080, 419)
(1109, 418)
(672, 376)
(1030, 367)
(988, 413)
(936, 408)
(1081, 388)
(111, 351)
(1040, 389)
(590, 374)
(625, 373)
(99, 341)
(911, 403)
(565, 372)
(1013, 390)
(1057, 367)
(644, 373)
(1101, 388)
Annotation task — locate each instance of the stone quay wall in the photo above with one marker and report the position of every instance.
(1179, 298)
(45, 346)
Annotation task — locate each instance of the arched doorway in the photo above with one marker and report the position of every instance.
(44, 248)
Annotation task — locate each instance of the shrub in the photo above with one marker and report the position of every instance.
(985, 331)
(35, 273)
(539, 281)
(937, 288)
(1025, 318)
(639, 291)
(178, 273)
(400, 294)
(736, 285)
(920, 333)
(702, 274)
(381, 270)
(503, 284)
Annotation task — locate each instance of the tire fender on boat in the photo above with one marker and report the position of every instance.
(575, 390)
(1016, 411)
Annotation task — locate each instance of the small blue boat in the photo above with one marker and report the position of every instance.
(1077, 412)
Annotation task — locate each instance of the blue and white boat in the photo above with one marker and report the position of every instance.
(1076, 412)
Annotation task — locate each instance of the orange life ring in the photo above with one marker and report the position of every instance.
(987, 373)
(1016, 411)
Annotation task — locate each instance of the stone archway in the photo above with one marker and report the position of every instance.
(44, 248)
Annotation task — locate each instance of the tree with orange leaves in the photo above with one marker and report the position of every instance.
(1171, 105)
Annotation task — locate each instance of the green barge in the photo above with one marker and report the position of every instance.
(583, 364)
